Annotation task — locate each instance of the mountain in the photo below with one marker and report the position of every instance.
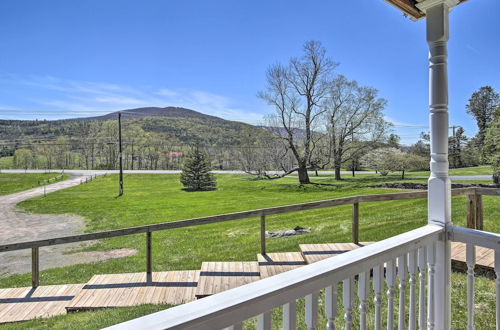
(178, 125)
(175, 112)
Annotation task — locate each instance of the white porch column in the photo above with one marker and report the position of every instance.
(439, 193)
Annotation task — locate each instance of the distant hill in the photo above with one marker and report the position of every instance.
(179, 124)
(175, 112)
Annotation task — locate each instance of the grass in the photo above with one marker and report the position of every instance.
(6, 162)
(159, 198)
(14, 182)
(477, 170)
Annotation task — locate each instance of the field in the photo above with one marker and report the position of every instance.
(6, 162)
(11, 183)
(159, 198)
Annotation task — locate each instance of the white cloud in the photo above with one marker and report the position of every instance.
(71, 97)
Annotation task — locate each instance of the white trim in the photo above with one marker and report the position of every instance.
(423, 6)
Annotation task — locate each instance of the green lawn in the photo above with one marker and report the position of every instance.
(158, 198)
(478, 170)
(14, 182)
(6, 162)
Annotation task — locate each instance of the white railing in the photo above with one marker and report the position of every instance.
(401, 256)
(473, 238)
(410, 256)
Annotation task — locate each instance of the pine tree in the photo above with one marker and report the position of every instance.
(196, 173)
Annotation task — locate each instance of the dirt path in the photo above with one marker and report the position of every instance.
(17, 226)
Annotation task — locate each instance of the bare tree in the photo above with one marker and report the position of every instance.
(354, 121)
(297, 92)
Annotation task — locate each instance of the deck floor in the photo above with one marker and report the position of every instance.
(21, 304)
(216, 277)
(120, 290)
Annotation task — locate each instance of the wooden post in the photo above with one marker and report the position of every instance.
(471, 211)
(479, 212)
(149, 266)
(263, 234)
(35, 267)
(355, 223)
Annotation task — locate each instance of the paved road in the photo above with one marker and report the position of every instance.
(101, 172)
(17, 226)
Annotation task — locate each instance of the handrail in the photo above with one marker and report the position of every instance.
(476, 237)
(224, 217)
(241, 303)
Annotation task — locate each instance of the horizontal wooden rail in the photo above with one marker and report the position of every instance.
(226, 217)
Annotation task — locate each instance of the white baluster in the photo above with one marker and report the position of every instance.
(289, 316)
(331, 306)
(422, 266)
(348, 295)
(312, 311)
(412, 269)
(390, 277)
(431, 264)
(363, 287)
(264, 321)
(470, 259)
(378, 287)
(497, 282)
(402, 274)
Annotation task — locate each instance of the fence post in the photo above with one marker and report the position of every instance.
(35, 267)
(149, 266)
(479, 212)
(355, 223)
(263, 234)
(471, 211)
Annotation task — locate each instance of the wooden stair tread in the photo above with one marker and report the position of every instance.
(216, 277)
(132, 289)
(272, 264)
(485, 258)
(316, 252)
(22, 304)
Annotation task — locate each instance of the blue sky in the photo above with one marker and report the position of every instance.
(61, 59)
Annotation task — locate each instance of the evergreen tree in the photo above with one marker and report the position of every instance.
(196, 173)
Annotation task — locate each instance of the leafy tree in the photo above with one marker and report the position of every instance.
(481, 106)
(491, 148)
(386, 160)
(354, 121)
(196, 173)
(23, 158)
(393, 141)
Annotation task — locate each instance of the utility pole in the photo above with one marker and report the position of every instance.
(454, 148)
(120, 192)
(353, 159)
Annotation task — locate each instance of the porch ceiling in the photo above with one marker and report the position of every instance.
(408, 7)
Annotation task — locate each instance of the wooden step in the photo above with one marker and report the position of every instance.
(316, 252)
(22, 304)
(216, 277)
(271, 264)
(132, 289)
(485, 258)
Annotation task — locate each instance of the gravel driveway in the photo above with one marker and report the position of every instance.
(17, 226)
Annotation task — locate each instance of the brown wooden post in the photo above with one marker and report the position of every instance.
(35, 267)
(263, 234)
(355, 223)
(479, 212)
(149, 265)
(471, 211)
